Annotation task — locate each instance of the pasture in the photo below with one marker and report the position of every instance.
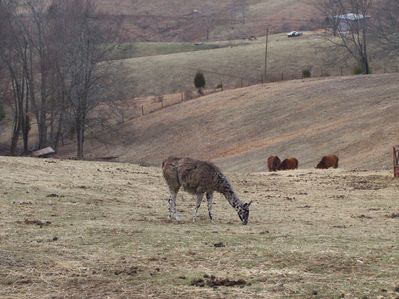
(353, 117)
(155, 21)
(100, 230)
(236, 63)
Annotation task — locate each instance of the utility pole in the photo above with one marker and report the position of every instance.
(267, 41)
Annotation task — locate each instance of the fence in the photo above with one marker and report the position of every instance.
(150, 104)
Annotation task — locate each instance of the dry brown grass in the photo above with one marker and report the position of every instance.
(327, 233)
(353, 117)
(170, 21)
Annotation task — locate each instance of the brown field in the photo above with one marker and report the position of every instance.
(352, 117)
(156, 20)
(99, 230)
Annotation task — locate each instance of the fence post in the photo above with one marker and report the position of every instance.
(342, 71)
(142, 110)
(182, 96)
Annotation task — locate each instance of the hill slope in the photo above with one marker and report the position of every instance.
(236, 63)
(353, 117)
(189, 20)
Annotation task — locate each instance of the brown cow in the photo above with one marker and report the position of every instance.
(289, 163)
(273, 163)
(328, 161)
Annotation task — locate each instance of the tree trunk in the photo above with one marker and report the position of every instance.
(26, 126)
(15, 135)
(79, 137)
(42, 131)
(25, 133)
(59, 131)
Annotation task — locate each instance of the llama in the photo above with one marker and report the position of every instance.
(199, 178)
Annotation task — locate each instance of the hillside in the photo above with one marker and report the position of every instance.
(170, 67)
(190, 20)
(99, 230)
(353, 117)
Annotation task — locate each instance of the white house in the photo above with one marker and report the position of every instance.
(347, 21)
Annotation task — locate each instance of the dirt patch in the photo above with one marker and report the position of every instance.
(219, 244)
(130, 271)
(393, 215)
(214, 282)
(369, 183)
(364, 217)
(54, 195)
(40, 223)
(7, 260)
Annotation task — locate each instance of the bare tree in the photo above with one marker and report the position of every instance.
(239, 11)
(14, 55)
(386, 24)
(82, 48)
(330, 9)
(37, 30)
(54, 54)
(350, 24)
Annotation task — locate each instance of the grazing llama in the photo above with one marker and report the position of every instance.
(199, 178)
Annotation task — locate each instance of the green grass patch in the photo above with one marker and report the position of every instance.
(143, 49)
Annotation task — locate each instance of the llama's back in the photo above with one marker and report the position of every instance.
(198, 176)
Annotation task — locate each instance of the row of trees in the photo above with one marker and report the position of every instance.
(364, 20)
(52, 67)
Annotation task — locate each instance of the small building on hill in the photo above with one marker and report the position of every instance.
(347, 21)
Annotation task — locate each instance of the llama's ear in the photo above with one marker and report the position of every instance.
(248, 204)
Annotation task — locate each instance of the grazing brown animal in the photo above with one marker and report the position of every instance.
(199, 178)
(273, 163)
(328, 161)
(289, 163)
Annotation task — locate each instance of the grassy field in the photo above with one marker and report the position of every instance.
(100, 230)
(236, 63)
(141, 49)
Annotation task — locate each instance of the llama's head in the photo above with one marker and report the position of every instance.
(243, 212)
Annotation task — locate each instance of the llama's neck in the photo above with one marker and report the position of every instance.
(228, 192)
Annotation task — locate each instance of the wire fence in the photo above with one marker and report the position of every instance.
(150, 104)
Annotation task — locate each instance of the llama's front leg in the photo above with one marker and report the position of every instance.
(197, 205)
(172, 206)
(209, 198)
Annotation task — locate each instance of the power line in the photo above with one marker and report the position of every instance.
(267, 41)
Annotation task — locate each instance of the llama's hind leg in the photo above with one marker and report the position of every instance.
(209, 198)
(197, 205)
